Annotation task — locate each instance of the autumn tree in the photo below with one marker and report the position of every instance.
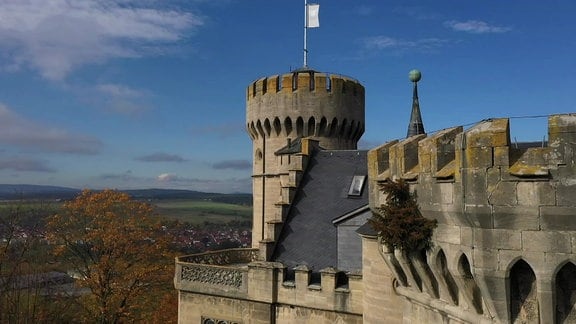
(121, 255)
(399, 221)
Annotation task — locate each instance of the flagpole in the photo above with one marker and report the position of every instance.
(305, 32)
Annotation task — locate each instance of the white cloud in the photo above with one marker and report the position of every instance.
(18, 131)
(167, 177)
(56, 36)
(475, 27)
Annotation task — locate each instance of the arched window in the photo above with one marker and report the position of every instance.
(322, 129)
(288, 125)
(442, 265)
(267, 127)
(473, 292)
(277, 126)
(299, 126)
(566, 294)
(523, 299)
(311, 126)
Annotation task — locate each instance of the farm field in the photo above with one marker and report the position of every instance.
(198, 212)
(195, 212)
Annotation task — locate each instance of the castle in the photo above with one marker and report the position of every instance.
(504, 250)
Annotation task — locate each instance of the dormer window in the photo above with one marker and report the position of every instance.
(356, 186)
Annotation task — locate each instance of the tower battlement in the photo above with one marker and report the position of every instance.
(306, 81)
(328, 107)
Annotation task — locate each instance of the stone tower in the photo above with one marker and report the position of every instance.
(295, 110)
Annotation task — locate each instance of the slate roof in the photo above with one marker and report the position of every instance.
(367, 230)
(294, 146)
(309, 236)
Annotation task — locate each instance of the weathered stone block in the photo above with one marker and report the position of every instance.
(553, 258)
(480, 216)
(566, 194)
(447, 234)
(493, 281)
(557, 218)
(561, 128)
(424, 191)
(440, 216)
(493, 132)
(518, 218)
(484, 258)
(507, 259)
(425, 161)
(493, 178)
(504, 194)
(466, 236)
(538, 241)
(497, 239)
(475, 186)
(479, 157)
(444, 193)
(536, 194)
(501, 156)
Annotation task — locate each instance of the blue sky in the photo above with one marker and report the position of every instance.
(151, 93)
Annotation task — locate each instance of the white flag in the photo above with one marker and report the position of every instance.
(312, 19)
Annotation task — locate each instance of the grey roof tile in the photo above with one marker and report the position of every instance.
(309, 236)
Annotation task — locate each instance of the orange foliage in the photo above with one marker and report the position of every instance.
(121, 255)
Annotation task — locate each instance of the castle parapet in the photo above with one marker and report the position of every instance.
(224, 272)
(305, 82)
(485, 145)
(505, 213)
(235, 273)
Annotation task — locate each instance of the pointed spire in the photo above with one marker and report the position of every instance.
(416, 126)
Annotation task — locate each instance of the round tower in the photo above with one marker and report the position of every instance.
(302, 104)
(305, 103)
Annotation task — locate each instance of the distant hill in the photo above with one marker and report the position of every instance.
(23, 191)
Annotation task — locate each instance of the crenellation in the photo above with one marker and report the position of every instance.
(286, 83)
(305, 81)
(259, 87)
(489, 133)
(322, 83)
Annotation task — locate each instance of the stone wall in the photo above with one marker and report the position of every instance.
(194, 308)
(381, 303)
(505, 212)
(230, 285)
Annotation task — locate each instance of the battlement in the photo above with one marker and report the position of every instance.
(505, 215)
(304, 82)
(444, 155)
(328, 107)
(235, 274)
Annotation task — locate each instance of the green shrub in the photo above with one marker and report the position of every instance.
(399, 221)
